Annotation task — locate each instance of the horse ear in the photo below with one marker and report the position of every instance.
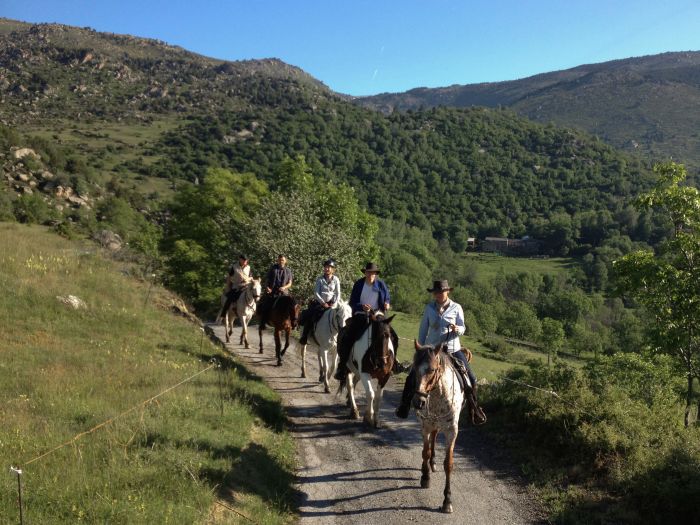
(389, 319)
(415, 343)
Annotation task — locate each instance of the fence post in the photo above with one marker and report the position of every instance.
(18, 471)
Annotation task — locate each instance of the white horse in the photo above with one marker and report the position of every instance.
(325, 335)
(438, 400)
(243, 309)
(372, 357)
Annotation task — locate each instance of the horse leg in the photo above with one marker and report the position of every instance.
(377, 404)
(450, 438)
(321, 368)
(303, 361)
(278, 347)
(286, 340)
(369, 391)
(260, 334)
(425, 468)
(354, 413)
(433, 435)
(324, 371)
(227, 332)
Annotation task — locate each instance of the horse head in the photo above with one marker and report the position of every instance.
(428, 366)
(256, 289)
(341, 313)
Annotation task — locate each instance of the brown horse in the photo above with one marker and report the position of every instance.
(438, 401)
(283, 315)
(372, 357)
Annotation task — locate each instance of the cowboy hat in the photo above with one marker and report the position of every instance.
(370, 267)
(440, 286)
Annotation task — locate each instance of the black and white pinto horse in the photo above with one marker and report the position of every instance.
(438, 400)
(325, 335)
(243, 309)
(372, 357)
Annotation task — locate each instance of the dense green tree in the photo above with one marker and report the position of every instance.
(666, 282)
(551, 337)
(206, 232)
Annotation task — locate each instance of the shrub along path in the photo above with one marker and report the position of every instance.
(351, 474)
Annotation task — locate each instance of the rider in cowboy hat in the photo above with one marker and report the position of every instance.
(442, 324)
(369, 295)
(326, 295)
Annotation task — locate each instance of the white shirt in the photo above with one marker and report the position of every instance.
(370, 296)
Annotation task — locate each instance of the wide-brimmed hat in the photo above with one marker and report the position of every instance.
(329, 262)
(440, 286)
(370, 267)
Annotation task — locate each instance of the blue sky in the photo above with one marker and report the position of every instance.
(363, 47)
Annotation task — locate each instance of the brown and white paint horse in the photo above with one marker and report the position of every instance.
(438, 401)
(372, 357)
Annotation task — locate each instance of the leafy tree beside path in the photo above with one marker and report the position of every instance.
(667, 282)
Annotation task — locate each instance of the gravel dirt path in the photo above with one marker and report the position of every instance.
(351, 474)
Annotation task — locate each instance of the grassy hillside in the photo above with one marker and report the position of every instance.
(217, 438)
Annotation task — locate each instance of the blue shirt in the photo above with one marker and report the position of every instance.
(435, 325)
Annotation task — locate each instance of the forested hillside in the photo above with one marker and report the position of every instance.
(135, 111)
(644, 105)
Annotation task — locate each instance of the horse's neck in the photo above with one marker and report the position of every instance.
(246, 298)
(364, 343)
(448, 377)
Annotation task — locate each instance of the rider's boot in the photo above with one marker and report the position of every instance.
(477, 413)
(405, 407)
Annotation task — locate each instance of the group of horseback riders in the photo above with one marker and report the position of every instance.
(441, 325)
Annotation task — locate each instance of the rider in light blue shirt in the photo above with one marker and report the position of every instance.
(442, 323)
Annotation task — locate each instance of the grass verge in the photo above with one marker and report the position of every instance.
(219, 438)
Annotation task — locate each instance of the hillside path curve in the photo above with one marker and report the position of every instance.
(351, 474)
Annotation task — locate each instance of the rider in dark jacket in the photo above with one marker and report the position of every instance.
(369, 295)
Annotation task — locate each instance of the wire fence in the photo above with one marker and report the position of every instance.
(20, 470)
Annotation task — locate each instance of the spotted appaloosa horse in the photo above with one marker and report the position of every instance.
(325, 335)
(438, 401)
(243, 309)
(283, 316)
(372, 357)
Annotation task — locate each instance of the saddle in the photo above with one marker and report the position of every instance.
(476, 413)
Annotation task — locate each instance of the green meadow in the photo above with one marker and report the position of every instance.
(211, 450)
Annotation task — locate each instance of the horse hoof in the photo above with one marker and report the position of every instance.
(260, 351)
(320, 378)
(432, 467)
(303, 374)
(354, 414)
(424, 483)
(279, 362)
(446, 508)
(327, 390)
(247, 347)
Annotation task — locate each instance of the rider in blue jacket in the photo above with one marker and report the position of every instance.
(369, 295)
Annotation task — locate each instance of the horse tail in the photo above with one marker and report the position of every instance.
(342, 385)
